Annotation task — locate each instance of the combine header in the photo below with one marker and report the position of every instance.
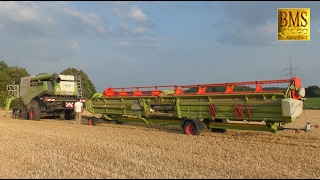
(255, 105)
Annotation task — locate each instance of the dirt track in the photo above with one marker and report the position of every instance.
(62, 149)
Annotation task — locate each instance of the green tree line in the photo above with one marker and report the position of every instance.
(11, 75)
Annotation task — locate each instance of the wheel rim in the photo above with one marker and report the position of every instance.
(189, 129)
(31, 114)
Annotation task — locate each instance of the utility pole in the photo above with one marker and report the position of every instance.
(290, 71)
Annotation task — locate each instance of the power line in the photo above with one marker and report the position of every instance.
(290, 69)
(227, 69)
(205, 18)
(174, 54)
(193, 46)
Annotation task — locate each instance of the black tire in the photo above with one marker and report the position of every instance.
(16, 113)
(190, 128)
(69, 115)
(34, 110)
(119, 122)
(72, 115)
(218, 129)
(24, 113)
(62, 116)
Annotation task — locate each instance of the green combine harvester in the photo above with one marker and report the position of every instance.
(44, 95)
(241, 105)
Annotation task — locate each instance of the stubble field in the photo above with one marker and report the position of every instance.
(62, 149)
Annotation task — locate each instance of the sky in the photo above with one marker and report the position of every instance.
(149, 43)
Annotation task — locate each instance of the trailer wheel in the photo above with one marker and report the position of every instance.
(119, 122)
(91, 121)
(190, 128)
(218, 129)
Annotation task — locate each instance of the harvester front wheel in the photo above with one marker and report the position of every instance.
(190, 128)
(16, 113)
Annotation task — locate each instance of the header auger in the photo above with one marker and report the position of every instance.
(265, 105)
(295, 89)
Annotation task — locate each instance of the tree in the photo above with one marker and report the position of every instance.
(16, 73)
(313, 91)
(4, 81)
(3, 66)
(88, 88)
(10, 76)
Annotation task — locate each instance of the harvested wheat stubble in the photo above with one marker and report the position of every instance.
(63, 149)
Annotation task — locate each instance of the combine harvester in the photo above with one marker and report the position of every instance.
(44, 95)
(241, 105)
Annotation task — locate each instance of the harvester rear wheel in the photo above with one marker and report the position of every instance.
(62, 116)
(24, 113)
(190, 128)
(69, 114)
(34, 110)
(218, 129)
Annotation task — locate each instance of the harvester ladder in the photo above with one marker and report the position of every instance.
(79, 86)
(13, 90)
(13, 93)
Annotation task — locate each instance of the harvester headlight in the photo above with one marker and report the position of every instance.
(302, 92)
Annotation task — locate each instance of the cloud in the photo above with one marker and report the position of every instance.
(90, 19)
(126, 30)
(140, 30)
(123, 44)
(254, 23)
(35, 19)
(75, 45)
(25, 20)
(137, 14)
(132, 12)
(18, 11)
